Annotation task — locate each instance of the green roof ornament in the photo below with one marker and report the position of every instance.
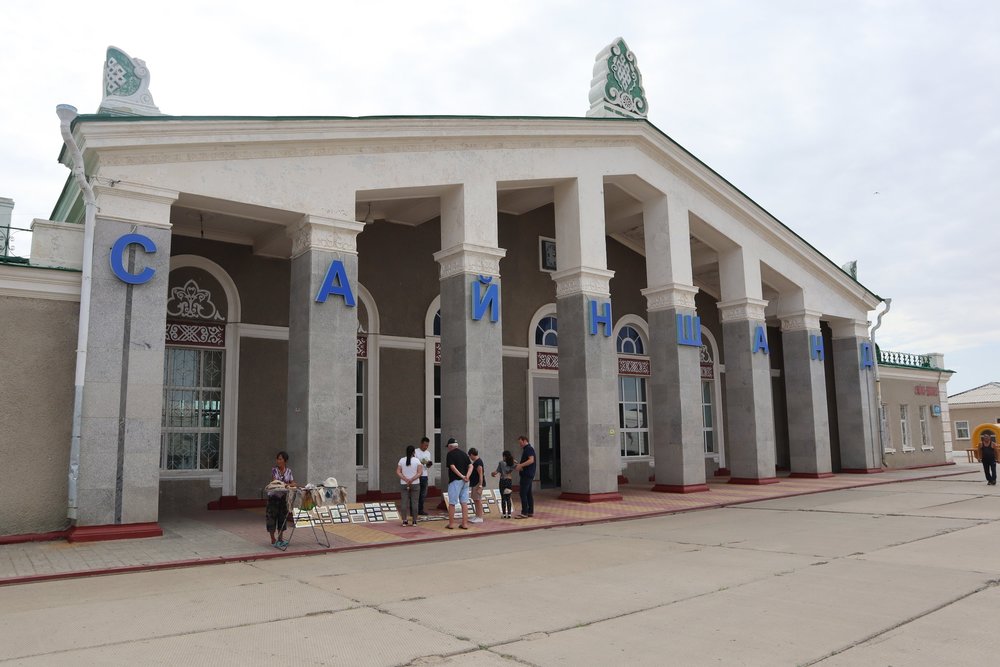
(616, 89)
(126, 86)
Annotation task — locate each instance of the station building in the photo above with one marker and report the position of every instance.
(210, 290)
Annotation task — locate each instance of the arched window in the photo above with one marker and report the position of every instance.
(630, 342)
(547, 332)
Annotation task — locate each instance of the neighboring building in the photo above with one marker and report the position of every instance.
(914, 414)
(338, 287)
(971, 408)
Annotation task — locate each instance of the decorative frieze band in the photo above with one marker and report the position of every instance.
(849, 329)
(467, 258)
(316, 233)
(633, 366)
(196, 333)
(670, 297)
(806, 320)
(583, 280)
(742, 310)
(547, 361)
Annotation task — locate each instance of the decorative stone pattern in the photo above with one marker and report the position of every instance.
(594, 282)
(547, 361)
(331, 236)
(196, 334)
(126, 86)
(362, 347)
(616, 89)
(470, 259)
(742, 310)
(437, 352)
(804, 321)
(191, 302)
(633, 366)
(670, 297)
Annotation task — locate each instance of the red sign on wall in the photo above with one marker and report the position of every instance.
(926, 390)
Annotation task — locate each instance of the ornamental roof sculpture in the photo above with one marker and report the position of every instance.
(126, 86)
(616, 89)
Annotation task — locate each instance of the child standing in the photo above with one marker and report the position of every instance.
(505, 469)
(476, 483)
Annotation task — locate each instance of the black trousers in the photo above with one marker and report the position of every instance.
(423, 494)
(506, 505)
(527, 499)
(990, 468)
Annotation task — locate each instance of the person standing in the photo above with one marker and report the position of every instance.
(426, 457)
(504, 468)
(526, 468)
(459, 471)
(276, 513)
(408, 471)
(476, 483)
(988, 456)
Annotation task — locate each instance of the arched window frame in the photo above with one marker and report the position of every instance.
(369, 472)
(717, 427)
(549, 355)
(432, 369)
(636, 373)
(225, 477)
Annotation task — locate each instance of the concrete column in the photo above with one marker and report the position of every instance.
(471, 326)
(322, 350)
(805, 393)
(588, 367)
(119, 469)
(674, 335)
(857, 413)
(749, 405)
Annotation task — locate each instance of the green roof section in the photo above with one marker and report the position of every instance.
(104, 118)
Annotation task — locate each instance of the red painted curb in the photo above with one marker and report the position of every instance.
(753, 481)
(34, 537)
(861, 471)
(810, 475)
(124, 531)
(680, 488)
(591, 497)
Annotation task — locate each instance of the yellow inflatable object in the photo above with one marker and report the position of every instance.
(988, 430)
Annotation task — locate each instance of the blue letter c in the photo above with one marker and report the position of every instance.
(118, 259)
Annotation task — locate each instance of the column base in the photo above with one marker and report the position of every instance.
(680, 488)
(622, 479)
(811, 475)
(723, 472)
(590, 497)
(861, 471)
(118, 531)
(753, 480)
(235, 503)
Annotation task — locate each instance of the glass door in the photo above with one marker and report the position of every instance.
(548, 441)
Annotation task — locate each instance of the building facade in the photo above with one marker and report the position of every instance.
(339, 287)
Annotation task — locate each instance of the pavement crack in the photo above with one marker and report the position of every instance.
(881, 633)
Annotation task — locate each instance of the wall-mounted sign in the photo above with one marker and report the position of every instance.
(118, 259)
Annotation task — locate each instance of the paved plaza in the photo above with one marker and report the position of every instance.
(903, 573)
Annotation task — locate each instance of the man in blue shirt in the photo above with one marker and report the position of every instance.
(526, 468)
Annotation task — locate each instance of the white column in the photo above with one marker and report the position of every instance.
(119, 476)
(588, 368)
(749, 405)
(674, 335)
(322, 350)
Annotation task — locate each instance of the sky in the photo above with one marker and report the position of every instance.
(869, 127)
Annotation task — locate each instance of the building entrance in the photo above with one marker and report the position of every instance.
(548, 441)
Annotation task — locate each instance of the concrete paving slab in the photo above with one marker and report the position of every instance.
(790, 619)
(86, 623)
(810, 533)
(821, 500)
(482, 658)
(525, 604)
(971, 550)
(54, 594)
(895, 503)
(353, 637)
(984, 507)
(949, 636)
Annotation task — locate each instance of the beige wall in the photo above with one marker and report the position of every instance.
(36, 411)
(975, 415)
(898, 388)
